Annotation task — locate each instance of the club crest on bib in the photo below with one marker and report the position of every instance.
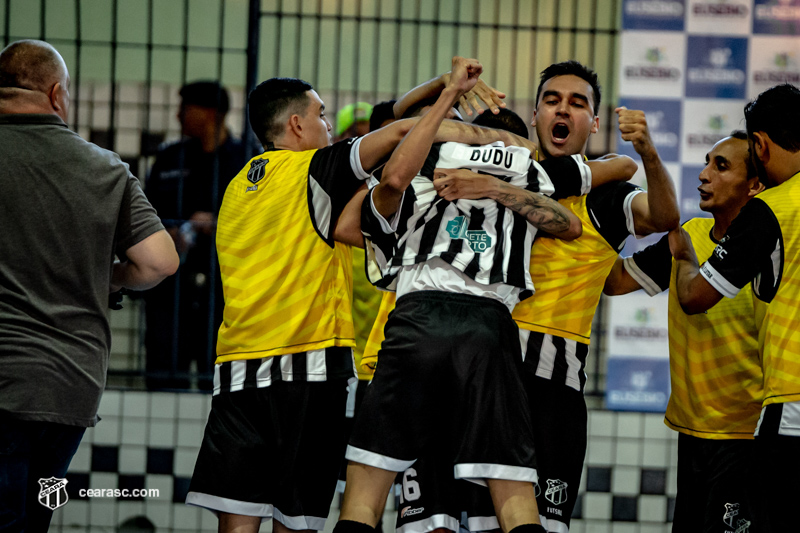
(556, 492)
(256, 173)
(53, 492)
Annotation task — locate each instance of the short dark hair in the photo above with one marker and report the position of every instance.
(268, 102)
(381, 113)
(776, 112)
(206, 94)
(574, 68)
(504, 120)
(751, 168)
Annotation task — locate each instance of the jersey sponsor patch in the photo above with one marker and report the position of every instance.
(457, 228)
(479, 240)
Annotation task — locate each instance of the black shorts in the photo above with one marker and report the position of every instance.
(777, 443)
(559, 417)
(716, 485)
(559, 433)
(273, 452)
(448, 374)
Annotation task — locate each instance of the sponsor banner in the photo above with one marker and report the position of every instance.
(637, 384)
(690, 196)
(719, 17)
(638, 353)
(776, 17)
(717, 67)
(653, 15)
(664, 123)
(705, 122)
(651, 64)
(637, 326)
(773, 60)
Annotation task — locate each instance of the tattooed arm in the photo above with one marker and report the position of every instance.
(541, 211)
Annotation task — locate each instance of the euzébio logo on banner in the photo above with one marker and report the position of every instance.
(776, 17)
(775, 60)
(717, 67)
(53, 492)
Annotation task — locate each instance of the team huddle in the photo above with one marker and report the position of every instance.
(493, 252)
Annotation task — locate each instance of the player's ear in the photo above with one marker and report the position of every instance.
(758, 140)
(296, 125)
(754, 186)
(595, 125)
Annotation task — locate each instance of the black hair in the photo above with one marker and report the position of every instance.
(504, 120)
(776, 112)
(574, 68)
(751, 168)
(268, 102)
(206, 94)
(381, 113)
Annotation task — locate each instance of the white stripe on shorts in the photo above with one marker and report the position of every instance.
(377, 460)
(428, 524)
(300, 522)
(479, 472)
(217, 504)
(482, 523)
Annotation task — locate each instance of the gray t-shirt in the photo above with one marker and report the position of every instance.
(68, 207)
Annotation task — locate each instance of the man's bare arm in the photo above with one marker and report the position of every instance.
(348, 226)
(149, 262)
(541, 211)
(491, 97)
(456, 131)
(410, 155)
(657, 210)
(612, 167)
(619, 281)
(695, 293)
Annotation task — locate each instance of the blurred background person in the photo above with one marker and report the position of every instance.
(353, 120)
(186, 185)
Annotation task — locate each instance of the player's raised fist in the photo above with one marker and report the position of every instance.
(465, 74)
(633, 128)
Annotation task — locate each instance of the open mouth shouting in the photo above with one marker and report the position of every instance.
(559, 133)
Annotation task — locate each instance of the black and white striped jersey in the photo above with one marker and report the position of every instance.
(485, 241)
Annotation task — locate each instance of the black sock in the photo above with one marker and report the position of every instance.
(529, 528)
(350, 526)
